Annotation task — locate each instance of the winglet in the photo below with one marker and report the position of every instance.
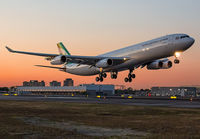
(10, 50)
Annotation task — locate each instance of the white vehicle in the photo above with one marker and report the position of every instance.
(149, 54)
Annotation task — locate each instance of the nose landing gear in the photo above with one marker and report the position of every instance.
(176, 60)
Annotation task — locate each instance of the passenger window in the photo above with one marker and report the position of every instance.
(177, 38)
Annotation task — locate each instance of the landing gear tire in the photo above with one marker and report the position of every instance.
(126, 79)
(104, 75)
(113, 76)
(176, 61)
(97, 79)
(101, 79)
(133, 76)
(130, 79)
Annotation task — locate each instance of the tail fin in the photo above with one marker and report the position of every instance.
(62, 50)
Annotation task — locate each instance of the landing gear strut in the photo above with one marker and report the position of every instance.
(130, 77)
(101, 76)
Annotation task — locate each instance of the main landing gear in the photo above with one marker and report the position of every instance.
(113, 75)
(130, 77)
(101, 76)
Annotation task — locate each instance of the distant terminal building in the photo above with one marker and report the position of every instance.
(142, 92)
(100, 89)
(68, 82)
(174, 91)
(85, 89)
(55, 83)
(33, 83)
(50, 90)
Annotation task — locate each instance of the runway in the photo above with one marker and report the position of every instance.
(136, 102)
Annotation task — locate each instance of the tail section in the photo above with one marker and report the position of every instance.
(62, 50)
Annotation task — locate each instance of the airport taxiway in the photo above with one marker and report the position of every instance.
(136, 102)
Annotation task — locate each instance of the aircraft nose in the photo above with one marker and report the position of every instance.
(192, 40)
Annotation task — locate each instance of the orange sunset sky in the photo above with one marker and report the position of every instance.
(93, 27)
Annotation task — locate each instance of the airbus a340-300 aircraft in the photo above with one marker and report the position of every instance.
(152, 54)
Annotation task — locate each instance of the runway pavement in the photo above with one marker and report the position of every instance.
(136, 102)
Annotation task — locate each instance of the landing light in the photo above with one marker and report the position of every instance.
(173, 97)
(98, 96)
(130, 96)
(177, 54)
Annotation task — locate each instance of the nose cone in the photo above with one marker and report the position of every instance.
(191, 42)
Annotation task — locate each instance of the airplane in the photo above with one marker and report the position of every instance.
(151, 54)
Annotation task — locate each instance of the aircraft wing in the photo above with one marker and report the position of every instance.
(31, 53)
(89, 60)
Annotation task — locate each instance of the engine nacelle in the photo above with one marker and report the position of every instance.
(167, 64)
(159, 64)
(59, 60)
(104, 63)
(155, 65)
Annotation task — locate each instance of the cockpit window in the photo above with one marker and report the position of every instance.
(185, 36)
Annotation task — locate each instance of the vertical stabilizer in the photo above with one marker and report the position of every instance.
(62, 50)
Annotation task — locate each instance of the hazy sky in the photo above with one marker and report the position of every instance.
(92, 27)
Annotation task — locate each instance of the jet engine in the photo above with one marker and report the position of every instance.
(104, 63)
(167, 65)
(155, 65)
(159, 64)
(59, 60)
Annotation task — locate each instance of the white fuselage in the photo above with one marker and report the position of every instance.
(138, 54)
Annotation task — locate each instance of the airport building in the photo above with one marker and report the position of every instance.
(33, 83)
(174, 91)
(99, 89)
(68, 82)
(86, 89)
(55, 83)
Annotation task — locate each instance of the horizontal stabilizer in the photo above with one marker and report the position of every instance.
(50, 67)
